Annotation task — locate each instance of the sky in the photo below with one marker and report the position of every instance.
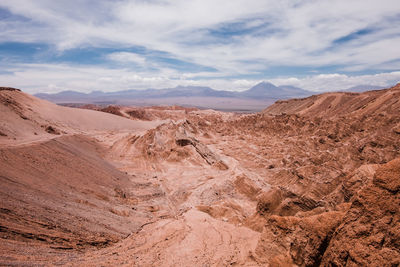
(90, 45)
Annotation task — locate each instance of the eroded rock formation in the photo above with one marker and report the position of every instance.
(308, 182)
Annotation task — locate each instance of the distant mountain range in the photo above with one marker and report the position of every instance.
(260, 91)
(253, 99)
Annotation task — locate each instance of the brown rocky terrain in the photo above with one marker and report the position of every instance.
(307, 182)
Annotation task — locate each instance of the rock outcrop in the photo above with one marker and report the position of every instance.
(363, 232)
(369, 234)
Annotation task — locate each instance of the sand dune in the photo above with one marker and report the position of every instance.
(26, 118)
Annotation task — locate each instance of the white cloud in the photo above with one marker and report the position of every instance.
(34, 78)
(173, 26)
(292, 33)
(127, 57)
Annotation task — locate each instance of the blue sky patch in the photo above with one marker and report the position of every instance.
(355, 35)
(152, 43)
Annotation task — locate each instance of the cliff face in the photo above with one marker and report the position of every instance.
(369, 233)
(365, 232)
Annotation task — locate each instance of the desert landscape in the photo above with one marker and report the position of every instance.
(306, 182)
(200, 133)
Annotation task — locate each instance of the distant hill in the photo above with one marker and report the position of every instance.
(268, 90)
(334, 104)
(253, 99)
(179, 91)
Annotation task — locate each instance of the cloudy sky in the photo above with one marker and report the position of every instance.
(86, 45)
